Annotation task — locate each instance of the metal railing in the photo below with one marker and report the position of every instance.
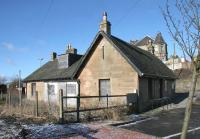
(161, 102)
(78, 109)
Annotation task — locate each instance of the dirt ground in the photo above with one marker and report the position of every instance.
(16, 126)
(149, 125)
(12, 128)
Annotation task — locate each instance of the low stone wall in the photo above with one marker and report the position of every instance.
(184, 85)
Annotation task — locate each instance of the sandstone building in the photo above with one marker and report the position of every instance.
(109, 66)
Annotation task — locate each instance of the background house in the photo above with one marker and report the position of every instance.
(175, 63)
(157, 46)
(53, 76)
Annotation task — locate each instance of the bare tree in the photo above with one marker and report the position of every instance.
(183, 23)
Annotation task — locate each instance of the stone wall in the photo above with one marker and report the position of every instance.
(107, 63)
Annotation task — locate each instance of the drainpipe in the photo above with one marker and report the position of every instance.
(78, 101)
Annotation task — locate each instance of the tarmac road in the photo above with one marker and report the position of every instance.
(168, 124)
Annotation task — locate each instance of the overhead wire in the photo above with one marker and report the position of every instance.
(127, 13)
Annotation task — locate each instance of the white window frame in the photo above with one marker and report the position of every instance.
(76, 89)
(54, 89)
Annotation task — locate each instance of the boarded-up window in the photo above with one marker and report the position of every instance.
(173, 85)
(51, 89)
(161, 88)
(104, 87)
(165, 85)
(33, 89)
(103, 52)
(71, 89)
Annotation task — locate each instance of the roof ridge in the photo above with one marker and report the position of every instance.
(140, 60)
(144, 39)
(135, 48)
(156, 71)
(159, 39)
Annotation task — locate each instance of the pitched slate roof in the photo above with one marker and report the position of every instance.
(50, 71)
(142, 61)
(144, 41)
(159, 39)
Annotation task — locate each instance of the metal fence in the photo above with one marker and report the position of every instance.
(78, 109)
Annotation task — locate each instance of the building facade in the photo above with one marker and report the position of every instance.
(175, 62)
(110, 66)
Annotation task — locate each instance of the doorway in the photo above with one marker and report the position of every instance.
(104, 88)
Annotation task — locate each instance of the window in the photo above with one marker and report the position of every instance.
(103, 52)
(71, 89)
(162, 48)
(156, 48)
(33, 89)
(104, 87)
(51, 89)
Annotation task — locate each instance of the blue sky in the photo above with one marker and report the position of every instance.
(32, 29)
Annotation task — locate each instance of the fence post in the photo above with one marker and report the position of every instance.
(107, 101)
(166, 102)
(9, 99)
(78, 102)
(61, 117)
(20, 100)
(6, 98)
(36, 103)
(163, 105)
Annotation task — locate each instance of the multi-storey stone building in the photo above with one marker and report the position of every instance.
(157, 46)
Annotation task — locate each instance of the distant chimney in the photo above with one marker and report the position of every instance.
(153, 50)
(70, 49)
(150, 42)
(150, 47)
(53, 56)
(105, 25)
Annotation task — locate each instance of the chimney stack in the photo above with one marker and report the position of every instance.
(151, 47)
(53, 56)
(70, 49)
(105, 25)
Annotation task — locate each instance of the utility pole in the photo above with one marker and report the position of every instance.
(20, 90)
(19, 79)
